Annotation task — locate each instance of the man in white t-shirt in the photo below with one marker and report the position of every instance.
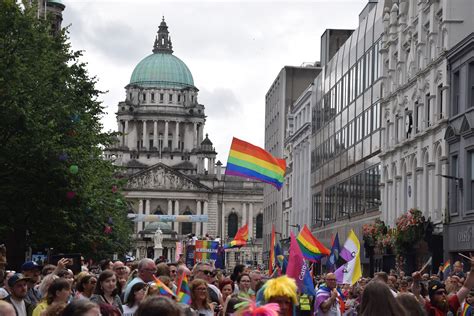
(19, 286)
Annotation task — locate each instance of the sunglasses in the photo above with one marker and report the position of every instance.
(206, 272)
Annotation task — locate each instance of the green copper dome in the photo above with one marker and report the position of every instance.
(163, 70)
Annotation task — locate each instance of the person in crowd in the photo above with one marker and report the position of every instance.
(403, 287)
(409, 303)
(393, 282)
(204, 271)
(440, 303)
(6, 309)
(200, 298)
(32, 271)
(146, 269)
(121, 271)
(173, 271)
(47, 269)
(383, 277)
(19, 287)
(243, 282)
(227, 288)
(49, 278)
(85, 287)
(282, 291)
(158, 306)
(377, 299)
(255, 277)
(109, 310)
(54, 310)
(238, 270)
(84, 265)
(304, 305)
(81, 308)
(458, 270)
(5, 289)
(327, 300)
(58, 294)
(105, 292)
(67, 275)
(137, 294)
(106, 264)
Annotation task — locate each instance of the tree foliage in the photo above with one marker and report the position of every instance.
(50, 145)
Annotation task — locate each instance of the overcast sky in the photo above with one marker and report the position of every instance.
(234, 50)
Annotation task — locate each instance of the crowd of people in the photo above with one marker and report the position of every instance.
(127, 289)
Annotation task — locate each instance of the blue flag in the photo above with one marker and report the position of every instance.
(334, 256)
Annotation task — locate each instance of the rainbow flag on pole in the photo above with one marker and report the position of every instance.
(184, 292)
(240, 238)
(249, 161)
(162, 288)
(311, 248)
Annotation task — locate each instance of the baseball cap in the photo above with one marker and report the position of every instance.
(17, 277)
(433, 286)
(30, 265)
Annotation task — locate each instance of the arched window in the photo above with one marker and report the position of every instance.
(232, 225)
(186, 228)
(259, 226)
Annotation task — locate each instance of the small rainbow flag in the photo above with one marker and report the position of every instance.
(163, 289)
(446, 266)
(240, 238)
(249, 161)
(312, 248)
(184, 292)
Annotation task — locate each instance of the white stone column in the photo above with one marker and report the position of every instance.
(250, 220)
(195, 136)
(165, 136)
(155, 134)
(244, 214)
(198, 225)
(132, 136)
(145, 136)
(223, 221)
(176, 212)
(204, 224)
(147, 207)
(140, 211)
(176, 137)
(125, 134)
(170, 211)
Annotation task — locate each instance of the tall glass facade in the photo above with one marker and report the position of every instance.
(346, 128)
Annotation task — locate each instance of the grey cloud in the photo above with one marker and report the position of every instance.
(220, 103)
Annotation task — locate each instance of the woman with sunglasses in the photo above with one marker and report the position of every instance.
(136, 296)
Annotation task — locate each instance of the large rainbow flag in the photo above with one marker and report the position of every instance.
(311, 248)
(184, 292)
(240, 238)
(206, 251)
(249, 161)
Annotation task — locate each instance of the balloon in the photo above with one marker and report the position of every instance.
(107, 229)
(114, 189)
(70, 195)
(118, 202)
(110, 221)
(73, 169)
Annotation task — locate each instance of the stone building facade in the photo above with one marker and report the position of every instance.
(170, 165)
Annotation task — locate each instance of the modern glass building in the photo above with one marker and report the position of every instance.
(345, 169)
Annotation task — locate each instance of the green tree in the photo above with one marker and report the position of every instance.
(50, 147)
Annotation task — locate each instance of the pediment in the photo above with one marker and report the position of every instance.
(450, 135)
(466, 126)
(162, 177)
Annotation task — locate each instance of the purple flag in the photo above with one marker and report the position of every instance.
(298, 269)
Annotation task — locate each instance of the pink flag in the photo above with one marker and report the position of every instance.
(298, 269)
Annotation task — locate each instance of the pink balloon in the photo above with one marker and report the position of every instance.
(70, 195)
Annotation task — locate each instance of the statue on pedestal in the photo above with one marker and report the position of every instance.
(158, 238)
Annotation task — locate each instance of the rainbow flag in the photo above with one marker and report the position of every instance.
(162, 288)
(249, 161)
(206, 251)
(311, 248)
(240, 238)
(446, 269)
(184, 292)
(466, 310)
(271, 257)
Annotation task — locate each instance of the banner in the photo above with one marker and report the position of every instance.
(206, 251)
(179, 250)
(168, 218)
(190, 256)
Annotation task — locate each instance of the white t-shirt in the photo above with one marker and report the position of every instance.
(129, 311)
(19, 306)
